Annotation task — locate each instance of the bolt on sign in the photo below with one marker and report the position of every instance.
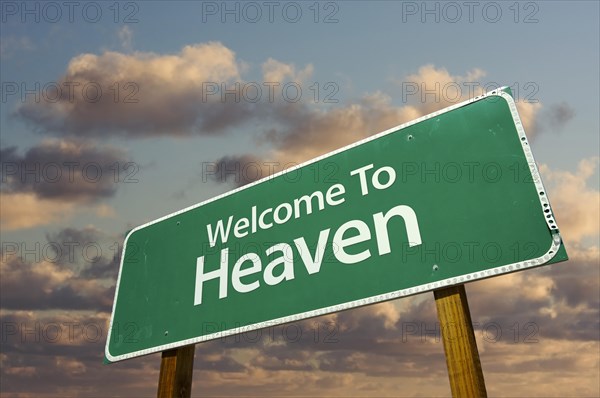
(449, 198)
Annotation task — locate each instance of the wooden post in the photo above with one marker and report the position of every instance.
(462, 357)
(176, 369)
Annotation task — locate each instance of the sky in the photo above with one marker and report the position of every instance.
(117, 113)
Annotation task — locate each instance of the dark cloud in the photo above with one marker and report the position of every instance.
(74, 269)
(65, 170)
(239, 170)
(544, 303)
(221, 365)
(340, 361)
(369, 353)
(577, 289)
(558, 115)
(92, 253)
(292, 361)
(50, 354)
(31, 286)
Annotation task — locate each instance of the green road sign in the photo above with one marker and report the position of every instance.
(452, 197)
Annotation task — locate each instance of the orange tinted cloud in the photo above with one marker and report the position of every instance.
(26, 210)
(575, 202)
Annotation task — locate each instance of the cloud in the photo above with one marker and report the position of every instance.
(310, 131)
(549, 367)
(11, 45)
(56, 179)
(196, 91)
(240, 170)
(279, 72)
(52, 353)
(558, 115)
(538, 119)
(66, 170)
(26, 210)
(141, 94)
(89, 251)
(301, 132)
(562, 113)
(202, 91)
(575, 302)
(72, 269)
(372, 353)
(528, 112)
(575, 202)
(125, 35)
(558, 301)
(433, 88)
(105, 211)
(45, 285)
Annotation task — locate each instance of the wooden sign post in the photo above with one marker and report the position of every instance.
(462, 357)
(176, 368)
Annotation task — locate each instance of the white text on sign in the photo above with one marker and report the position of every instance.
(282, 268)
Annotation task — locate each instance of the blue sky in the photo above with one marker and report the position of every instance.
(365, 56)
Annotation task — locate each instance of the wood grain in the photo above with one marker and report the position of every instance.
(176, 369)
(462, 357)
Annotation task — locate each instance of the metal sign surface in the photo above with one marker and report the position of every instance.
(452, 197)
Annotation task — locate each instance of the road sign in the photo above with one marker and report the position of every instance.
(449, 198)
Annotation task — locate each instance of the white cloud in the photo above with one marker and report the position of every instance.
(126, 37)
(528, 112)
(436, 88)
(11, 45)
(276, 71)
